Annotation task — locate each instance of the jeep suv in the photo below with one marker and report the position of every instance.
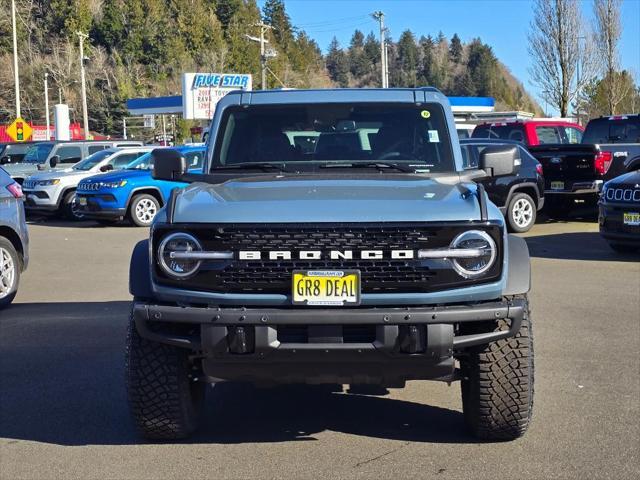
(43, 156)
(55, 191)
(368, 257)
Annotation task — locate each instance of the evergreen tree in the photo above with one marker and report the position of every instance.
(337, 64)
(455, 49)
(274, 14)
(405, 73)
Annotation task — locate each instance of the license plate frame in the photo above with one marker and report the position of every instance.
(323, 277)
(557, 185)
(631, 219)
(82, 201)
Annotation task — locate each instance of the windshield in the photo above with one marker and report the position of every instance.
(92, 160)
(38, 153)
(145, 162)
(305, 137)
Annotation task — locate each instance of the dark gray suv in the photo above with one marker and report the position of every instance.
(14, 239)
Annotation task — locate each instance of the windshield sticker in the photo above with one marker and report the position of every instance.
(433, 136)
(429, 195)
(425, 113)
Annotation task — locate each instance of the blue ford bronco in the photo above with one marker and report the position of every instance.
(333, 237)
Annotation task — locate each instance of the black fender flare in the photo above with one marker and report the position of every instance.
(519, 271)
(140, 271)
(519, 186)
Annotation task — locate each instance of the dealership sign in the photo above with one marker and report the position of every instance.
(202, 91)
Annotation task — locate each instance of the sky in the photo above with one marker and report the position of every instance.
(503, 24)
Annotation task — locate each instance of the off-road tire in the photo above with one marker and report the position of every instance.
(518, 199)
(8, 247)
(165, 402)
(133, 205)
(66, 207)
(497, 385)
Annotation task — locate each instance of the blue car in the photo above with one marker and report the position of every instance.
(132, 192)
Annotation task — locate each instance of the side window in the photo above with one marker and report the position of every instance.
(469, 156)
(122, 161)
(548, 135)
(96, 148)
(70, 154)
(194, 159)
(572, 134)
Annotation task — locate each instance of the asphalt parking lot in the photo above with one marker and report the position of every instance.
(63, 412)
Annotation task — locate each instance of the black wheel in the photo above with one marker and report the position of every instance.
(10, 266)
(165, 401)
(620, 248)
(143, 209)
(521, 213)
(497, 385)
(69, 207)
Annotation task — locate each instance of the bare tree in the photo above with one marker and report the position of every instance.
(558, 54)
(607, 34)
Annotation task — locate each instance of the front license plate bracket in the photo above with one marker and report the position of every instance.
(325, 288)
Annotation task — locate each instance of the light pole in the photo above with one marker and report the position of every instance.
(85, 116)
(16, 78)
(46, 102)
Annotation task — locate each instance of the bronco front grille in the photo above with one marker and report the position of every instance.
(377, 276)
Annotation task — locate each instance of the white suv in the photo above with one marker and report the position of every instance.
(55, 191)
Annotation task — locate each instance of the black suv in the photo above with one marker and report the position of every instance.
(619, 216)
(518, 196)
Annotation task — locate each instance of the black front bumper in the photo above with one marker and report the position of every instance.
(612, 227)
(250, 343)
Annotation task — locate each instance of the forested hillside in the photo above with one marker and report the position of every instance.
(141, 47)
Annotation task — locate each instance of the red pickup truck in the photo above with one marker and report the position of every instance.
(531, 132)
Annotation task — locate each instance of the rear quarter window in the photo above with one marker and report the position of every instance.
(604, 130)
(548, 135)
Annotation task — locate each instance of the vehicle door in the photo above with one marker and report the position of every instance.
(66, 155)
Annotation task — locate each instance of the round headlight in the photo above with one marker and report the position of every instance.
(177, 266)
(478, 262)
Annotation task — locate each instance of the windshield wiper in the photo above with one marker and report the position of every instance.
(251, 165)
(379, 165)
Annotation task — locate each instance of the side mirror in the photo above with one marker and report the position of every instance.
(53, 161)
(106, 168)
(500, 161)
(168, 164)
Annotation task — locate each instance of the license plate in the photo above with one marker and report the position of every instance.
(82, 201)
(631, 219)
(326, 287)
(557, 185)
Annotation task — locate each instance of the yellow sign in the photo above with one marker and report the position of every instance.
(425, 113)
(19, 130)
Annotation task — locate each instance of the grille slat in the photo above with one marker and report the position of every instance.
(377, 276)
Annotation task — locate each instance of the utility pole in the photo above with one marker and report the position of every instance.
(379, 15)
(263, 51)
(578, 81)
(16, 79)
(46, 102)
(85, 116)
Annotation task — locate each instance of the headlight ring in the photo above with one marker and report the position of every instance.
(179, 242)
(474, 266)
